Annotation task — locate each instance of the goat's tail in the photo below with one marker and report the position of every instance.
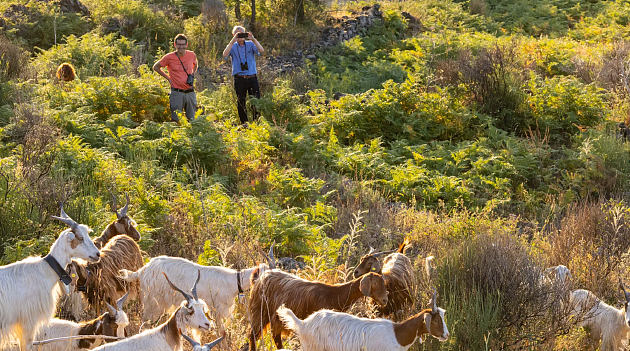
(404, 246)
(290, 320)
(130, 276)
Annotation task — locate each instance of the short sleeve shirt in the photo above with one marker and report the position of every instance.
(176, 71)
(241, 54)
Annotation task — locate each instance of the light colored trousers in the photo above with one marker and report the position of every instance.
(183, 102)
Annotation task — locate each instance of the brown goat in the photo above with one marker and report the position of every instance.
(99, 281)
(398, 273)
(66, 72)
(122, 225)
(275, 288)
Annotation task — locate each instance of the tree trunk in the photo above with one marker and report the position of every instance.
(252, 25)
(237, 10)
(299, 12)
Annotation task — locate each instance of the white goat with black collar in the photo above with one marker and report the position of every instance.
(31, 288)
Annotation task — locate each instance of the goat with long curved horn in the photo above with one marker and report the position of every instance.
(188, 298)
(66, 219)
(383, 253)
(120, 302)
(271, 260)
(194, 288)
(123, 211)
(197, 347)
(434, 301)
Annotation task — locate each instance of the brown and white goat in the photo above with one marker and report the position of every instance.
(336, 331)
(111, 323)
(123, 225)
(276, 288)
(99, 281)
(397, 271)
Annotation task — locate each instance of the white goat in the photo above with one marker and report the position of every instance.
(31, 287)
(166, 337)
(560, 272)
(220, 286)
(605, 323)
(336, 331)
(111, 323)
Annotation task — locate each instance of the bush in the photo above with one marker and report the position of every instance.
(144, 97)
(564, 105)
(137, 21)
(91, 55)
(41, 24)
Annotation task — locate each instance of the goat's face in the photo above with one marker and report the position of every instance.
(79, 243)
(436, 324)
(115, 325)
(196, 315)
(368, 264)
(79, 274)
(127, 226)
(373, 285)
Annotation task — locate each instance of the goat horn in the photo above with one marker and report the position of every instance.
(123, 211)
(272, 259)
(115, 205)
(190, 340)
(434, 301)
(383, 253)
(209, 346)
(625, 293)
(186, 296)
(194, 289)
(371, 250)
(66, 219)
(120, 302)
(112, 310)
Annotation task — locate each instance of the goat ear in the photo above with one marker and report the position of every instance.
(71, 236)
(376, 267)
(120, 228)
(427, 321)
(366, 285)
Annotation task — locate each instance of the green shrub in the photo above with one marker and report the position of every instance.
(137, 21)
(563, 105)
(41, 24)
(91, 55)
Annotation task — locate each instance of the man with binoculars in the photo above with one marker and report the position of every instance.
(243, 54)
(181, 65)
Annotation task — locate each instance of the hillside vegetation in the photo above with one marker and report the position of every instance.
(486, 131)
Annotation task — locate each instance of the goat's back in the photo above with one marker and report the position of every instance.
(337, 331)
(121, 252)
(57, 328)
(214, 283)
(399, 280)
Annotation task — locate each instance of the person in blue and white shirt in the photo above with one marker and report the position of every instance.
(243, 53)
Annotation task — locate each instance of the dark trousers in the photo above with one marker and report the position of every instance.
(244, 86)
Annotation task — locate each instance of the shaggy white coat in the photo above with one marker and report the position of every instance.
(31, 288)
(606, 323)
(327, 330)
(217, 286)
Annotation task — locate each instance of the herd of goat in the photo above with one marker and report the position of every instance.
(110, 269)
